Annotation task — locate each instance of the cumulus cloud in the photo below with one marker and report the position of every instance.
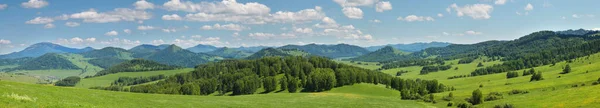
(353, 12)
(375, 21)
(355, 3)
(470, 32)
(143, 5)
(440, 15)
(528, 7)
(127, 31)
(225, 6)
(121, 42)
(500, 2)
(35, 4)
(476, 11)
(111, 33)
(2, 41)
(40, 20)
(412, 18)
(49, 26)
(301, 16)
(118, 14)
(3, 6)
(304, 30)
(383, 6)
(72, 24)
(75, 41)
(193, 42)
(232, 27)
(169, 30)
(171, 17)
(146, 28)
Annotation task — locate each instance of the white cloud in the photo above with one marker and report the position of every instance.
(169, 30)
(233, 27)
(49, 26)
(120, 42)
(375, 21)
(500, 2)
(171, 17)
(583, 16)
(528, 7)
(158, 42)
(301, 16)
(353, 12)
(445, 33)
(412, 18)
(383, 6)
(193, 42)
(224, 7)
(127, 31)
(146, 28)
(3, 6)
(2, 41)
(75, 41)
(440, 15)
(304, 30)
(111, 33)
(118, 14)
(35, 4)
(40, 20)
(476, 11)
(143, 5)
(196, 36)
(72, 24)
(597, 29)
(261, 36)
(354, 3)
(473, 32)
(62, 17)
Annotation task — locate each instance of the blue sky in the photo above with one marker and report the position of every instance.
(127, 23)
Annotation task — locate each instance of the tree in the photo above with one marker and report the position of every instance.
(512, 75)
(270, 84)
(321, 79)
(246, 85)
(190, 89)
(283, 82)
(480, 64)
(69, 81)
(566, 70)
(536, 77)
(293, 84)
(476, 97)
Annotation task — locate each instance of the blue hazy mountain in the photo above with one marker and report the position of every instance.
(40, 49)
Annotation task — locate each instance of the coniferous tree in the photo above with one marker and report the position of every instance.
(476, 97)
(566, 70)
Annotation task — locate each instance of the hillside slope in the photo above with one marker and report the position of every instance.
(136, 65)
(331, 51)
(40, 49)
(384, 54)
(176, 56)
(230, 53)
(268, 52)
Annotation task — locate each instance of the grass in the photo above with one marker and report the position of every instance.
(81, 62)
(106, 80)
(366, 65)
(49, 74)
(18, 78)
(63, 97)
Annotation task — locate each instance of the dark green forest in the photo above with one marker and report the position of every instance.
(136, 65)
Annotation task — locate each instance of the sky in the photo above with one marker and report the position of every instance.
(234, 23)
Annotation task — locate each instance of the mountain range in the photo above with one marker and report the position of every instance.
(40, 49)
(413, 47)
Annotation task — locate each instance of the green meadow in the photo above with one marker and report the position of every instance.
(106, 80)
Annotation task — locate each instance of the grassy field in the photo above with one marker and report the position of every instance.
(366, 65)
(31, 95)
(81, 62)
(18, 78)
(106, 80)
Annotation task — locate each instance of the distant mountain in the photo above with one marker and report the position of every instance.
(47, 61)
(331, 51)
(277, 52)
(251, 49)
(108, 52)
(144, 50)
(174, 55)
(39, 49)
(230, 53)
(414, 47)
(202, 48)
(575, 32)
(136, 65)
(384, 54)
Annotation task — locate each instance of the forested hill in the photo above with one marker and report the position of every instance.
(175, 55)
(202, 48)
(46, 61)
(535, 49)
(136, 65)
(143, 51)
(109, 52)
(230, 53)
(331, 51)
(413, 47)
(291, 73)
(269, 52)
(384, 54)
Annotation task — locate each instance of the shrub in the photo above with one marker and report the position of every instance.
(450, 104)
(69, 81)
(512, 92)
(464, 105)
(476, 97)
(493, 96)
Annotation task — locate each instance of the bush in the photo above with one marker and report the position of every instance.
(504, 106)
(512, 92)
(493, 96)
(450, 104)
(69, 81)
(476, 97)
(537, 77)
(464, 105)
(512, 75)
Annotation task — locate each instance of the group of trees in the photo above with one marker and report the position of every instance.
(69, 81)
(429, 69)
(537, 76)
(510, 75)
(292, 73)
(127, 81)
(136, 65)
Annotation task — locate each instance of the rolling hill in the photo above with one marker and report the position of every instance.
(230, 53)
(40, 49)
(202, 48)
(269, 52)
(142, 51)
(46, 61)
(176, 56)
(413, 47)
(109, 52)
(331, 51)
(384, 54)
